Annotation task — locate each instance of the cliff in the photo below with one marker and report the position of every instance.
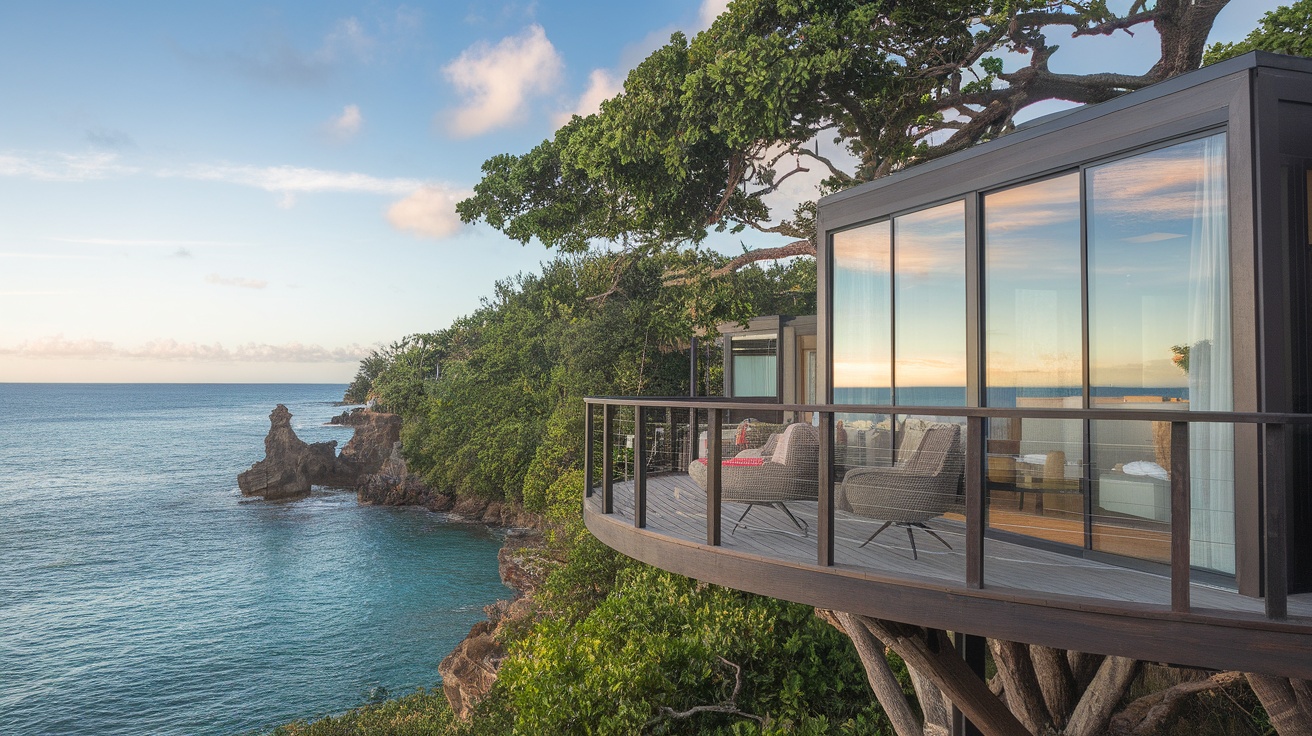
(290, 466)
(470, 671)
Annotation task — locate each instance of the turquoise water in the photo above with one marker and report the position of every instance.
(141, 594)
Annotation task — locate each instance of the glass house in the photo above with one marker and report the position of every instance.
(1058, 393)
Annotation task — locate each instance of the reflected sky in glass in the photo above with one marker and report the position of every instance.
(1141, 217)
(1033, 331)
(863, 314)
(930, 291)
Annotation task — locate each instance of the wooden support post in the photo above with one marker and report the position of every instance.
(713, 455)
(1274, 522)
(975, 520)
(607, 459)
(973, 649)
(588, 469)
(824, 530)
(1180, 524)
(639, 467)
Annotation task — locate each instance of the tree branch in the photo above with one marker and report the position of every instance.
(1153, 712)
(729, 707)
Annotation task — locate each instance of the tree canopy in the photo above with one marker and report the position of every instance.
(708, 128)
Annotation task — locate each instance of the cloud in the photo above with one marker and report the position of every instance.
(214, 278)
(182, 253)
(430, 211)
(602, 85)
(281, 179)
(710, 10)
(63, 166)
(110, 138)
(344, 127)
(172, 350)
(496, 81)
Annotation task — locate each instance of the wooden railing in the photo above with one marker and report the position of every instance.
(1271, 448)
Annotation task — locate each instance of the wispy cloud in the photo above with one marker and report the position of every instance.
(63, 166)
(296, 179)
(237, 281)
(602, 85)
(149, 242)
(344, 127)
(496, 81)
(172, 350)
(710, 10)
(429, 212)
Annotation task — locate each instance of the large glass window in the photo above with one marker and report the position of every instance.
(755, 365)
(929, 294)
(1033, 340)
(862, 299)
(1159, 317)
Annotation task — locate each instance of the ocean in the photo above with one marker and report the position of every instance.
(140, 593)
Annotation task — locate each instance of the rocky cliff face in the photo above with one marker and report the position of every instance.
(470, 671)
(290, 466)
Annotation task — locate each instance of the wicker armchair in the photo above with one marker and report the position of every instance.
(784, 469)
(912, 492)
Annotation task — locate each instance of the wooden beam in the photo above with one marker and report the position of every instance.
(639, 467)
(824, 531)
(975, 520)
(1180, 517)
(713, 457)
(607, 459)
(1274, 518)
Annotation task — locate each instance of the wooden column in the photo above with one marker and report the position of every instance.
(607, 459)
(713, 455)
(824, 530)
(975, 520)
(1180, 517)
(639, 467)
(1274, 522)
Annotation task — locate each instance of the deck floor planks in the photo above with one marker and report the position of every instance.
(676, 507)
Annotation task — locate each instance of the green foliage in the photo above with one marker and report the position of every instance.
(663, 641)
(1285, 30)
(423, 713)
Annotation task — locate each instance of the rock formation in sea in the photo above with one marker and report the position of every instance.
(290, 466)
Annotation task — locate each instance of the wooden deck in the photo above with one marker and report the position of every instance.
(676, 507)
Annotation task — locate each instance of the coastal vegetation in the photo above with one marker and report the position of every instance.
(703, 136)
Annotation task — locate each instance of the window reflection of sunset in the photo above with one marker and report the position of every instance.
(862, 338)
(929, 269)
(1032, 285)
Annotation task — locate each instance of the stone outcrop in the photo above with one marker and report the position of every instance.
(290, 466)
(470, 671)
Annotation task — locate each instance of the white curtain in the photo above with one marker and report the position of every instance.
(1211, 381)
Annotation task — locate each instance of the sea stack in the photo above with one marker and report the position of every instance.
(290, 466)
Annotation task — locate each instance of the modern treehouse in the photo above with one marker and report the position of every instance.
(1057, 393)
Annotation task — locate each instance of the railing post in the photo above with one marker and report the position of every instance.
(588, 459)
(607, 459)
(639, 467)
(713, 457)
(824, 531)
(1274, 522)
(693, 449)
(974, 483)
(1181, 525)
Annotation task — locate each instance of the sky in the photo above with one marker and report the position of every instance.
(264, 191)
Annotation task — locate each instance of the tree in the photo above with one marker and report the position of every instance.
(1285, 30)
(707, 129)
